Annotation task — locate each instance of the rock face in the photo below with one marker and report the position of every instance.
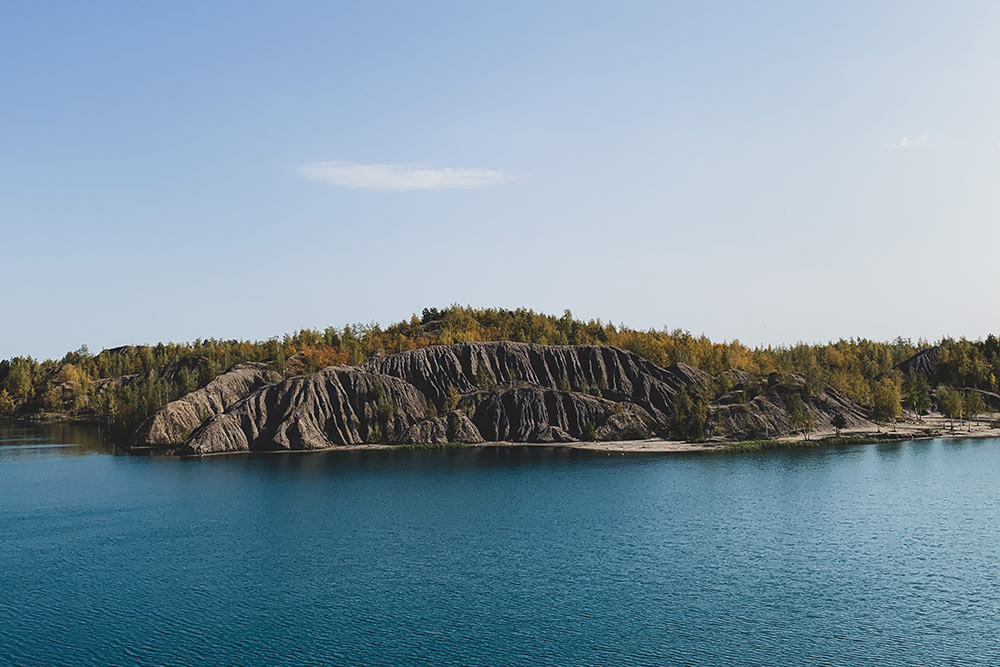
(532, 414)
(173, 423)
(477, 392)
(336, 406)
(467, 392)
(990, 399)
(452, 427)
(603, 371)
(923, 362)
(770, 413)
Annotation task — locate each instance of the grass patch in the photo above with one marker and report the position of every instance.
(431, 445)
(764, 445)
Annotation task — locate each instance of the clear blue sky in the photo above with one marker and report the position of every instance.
(772, 172)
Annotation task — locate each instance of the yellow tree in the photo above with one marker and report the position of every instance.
(886, 400)
(6, 403)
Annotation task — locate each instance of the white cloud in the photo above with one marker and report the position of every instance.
(400, 176)
(910, 142)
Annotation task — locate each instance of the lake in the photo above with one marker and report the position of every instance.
(880, 554)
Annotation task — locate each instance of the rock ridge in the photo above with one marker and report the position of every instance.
(478, 392)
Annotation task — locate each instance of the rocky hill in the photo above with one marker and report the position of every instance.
(173, 423)
(737, 416)
(473, 392)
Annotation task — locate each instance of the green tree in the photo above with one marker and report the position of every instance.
(798, 415)
(683, 405)
(917, 393)
(19, 378)
(815, 380)
(972, 405)
(451, 399)
(949, 404)
(838, 421)
(6, 403)
(697, 420)
(886, 400)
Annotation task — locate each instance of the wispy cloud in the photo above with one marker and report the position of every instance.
(910, 142)
(400, 176)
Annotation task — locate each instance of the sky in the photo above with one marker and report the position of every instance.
(771, 172)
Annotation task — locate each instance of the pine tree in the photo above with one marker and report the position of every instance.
(838, 421)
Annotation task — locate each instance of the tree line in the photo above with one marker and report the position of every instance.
(120, 386)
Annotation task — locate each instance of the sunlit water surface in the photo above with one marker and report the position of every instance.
(881, 554)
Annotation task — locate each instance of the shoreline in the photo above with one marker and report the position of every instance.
(932, 427)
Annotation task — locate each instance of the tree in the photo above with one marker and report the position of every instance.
(838, 422)
(451, 399)
(917, 393)
(815, 380)
(949, 404)
(886, 400)
(972, 405)
(797, 413)
(683, 405)
(52, 399)
(766, 416)
(19, 378)
(6, 403)
(697, 420)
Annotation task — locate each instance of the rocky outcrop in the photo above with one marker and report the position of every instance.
(484, 392)
(533, 414)
(452, 427)
(336, 406)
(737, 416)
(604, 371)
(923, 363)
(173, 423)
(990, 399)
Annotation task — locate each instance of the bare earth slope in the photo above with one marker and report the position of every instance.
(339, 405)
(174, 422)
(599, 370)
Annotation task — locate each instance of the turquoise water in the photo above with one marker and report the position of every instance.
(881, 554)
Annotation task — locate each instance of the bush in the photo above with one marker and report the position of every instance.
(634, 432)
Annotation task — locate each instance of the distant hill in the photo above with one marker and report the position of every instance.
(122, 387)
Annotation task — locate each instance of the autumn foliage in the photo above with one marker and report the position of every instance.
(122, 385)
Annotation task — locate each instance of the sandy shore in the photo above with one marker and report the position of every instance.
(929, 427)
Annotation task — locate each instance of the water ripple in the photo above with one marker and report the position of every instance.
(868, 555)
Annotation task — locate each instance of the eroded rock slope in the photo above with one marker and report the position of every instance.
(339, 405)
(173, 423)
(476, 392)
(468, 392)
(780, 409)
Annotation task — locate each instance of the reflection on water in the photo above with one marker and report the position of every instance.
(27, 440)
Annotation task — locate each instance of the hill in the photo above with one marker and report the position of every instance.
(122, 387)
